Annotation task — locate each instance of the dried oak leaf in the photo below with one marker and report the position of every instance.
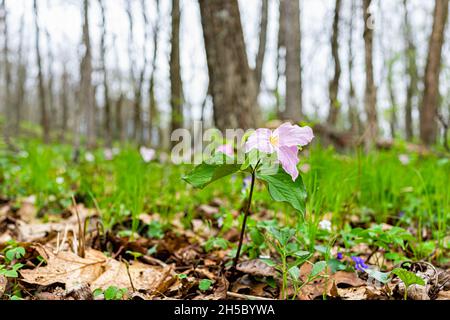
(66, 268)
(3, 283)
(256, 267)
(96, 270)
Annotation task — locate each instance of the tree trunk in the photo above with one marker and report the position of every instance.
(7, 72)
(135, 79)
(106, 99)
(392, 97)
(333, 88)
(353, 115)
(370, 97)
(262, 42)
(41, 84)
(21, 79)
(293, 67)
(176, 85)
(152, 109)
(411, 74)
(233, 85)
(64, 100)
(281, 56)
(87, 90)
(428, 112)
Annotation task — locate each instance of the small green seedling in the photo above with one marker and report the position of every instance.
(205, 284)
(111, 293)
(409, 278)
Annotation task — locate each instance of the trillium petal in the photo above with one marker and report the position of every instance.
(288, 156)
(226, 149)
(292, 135)
(260, 140)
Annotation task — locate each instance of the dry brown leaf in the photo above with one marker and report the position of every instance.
(28, 211)
(66, 268)
(358, 293)
(3, 283)
(96, 270)
(256, 267)
(144, 277)
(443, 295)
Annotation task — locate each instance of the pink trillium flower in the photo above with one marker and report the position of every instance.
(285, 141)
(226, 149)
(147, 154)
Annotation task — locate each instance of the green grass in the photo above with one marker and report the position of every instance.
(351, 187)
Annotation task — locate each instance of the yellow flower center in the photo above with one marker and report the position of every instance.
(274, 140)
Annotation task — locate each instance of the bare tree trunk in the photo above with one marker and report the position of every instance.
(333, 88)
(86, 88)
(176, 85)
(293, 68)
(135, 79)
(392, 97)
(7, 72)
(353, 115)
(50, 94)
(371, 133)
(262, 42)
(42, 99)
(106, 99)
(21, 79)
(64, 101)
(281, 56)
(411, 73)
(233, 85)
(428, 112)
(152, 110)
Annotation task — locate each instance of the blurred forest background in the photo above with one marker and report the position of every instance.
(95, 72)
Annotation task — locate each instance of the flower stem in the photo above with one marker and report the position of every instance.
(247, 211)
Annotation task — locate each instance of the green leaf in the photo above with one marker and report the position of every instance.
(294, 272)
(282, 188)
(382, 277)
(269, 262)
(204, 174)
(204, 284)
(111, 293)
(409, 278)
(317, 268)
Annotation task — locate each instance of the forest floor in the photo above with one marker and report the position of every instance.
(108, 225)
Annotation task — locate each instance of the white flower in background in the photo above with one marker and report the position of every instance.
(109, 154)
(325, 225)
(404, 159)
(60, 180)
(115, 151)
(305, 168)
(163, 157)
(147, 154)
(23, 154)
(52, 198)
(89, 157)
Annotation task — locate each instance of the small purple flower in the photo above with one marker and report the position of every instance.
(246, 184)
(339, 256)
(359, 263)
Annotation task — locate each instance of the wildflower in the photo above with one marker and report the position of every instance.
(404, 159)
(109, 154)
(305, 168)
(147, 154)
(115, 151)
(89, 157)
(325, 225)
(339, 256)
(359, 263)
(246, 184)
(226, 149)
(60, 180)
(23, 154)
(285, 141)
